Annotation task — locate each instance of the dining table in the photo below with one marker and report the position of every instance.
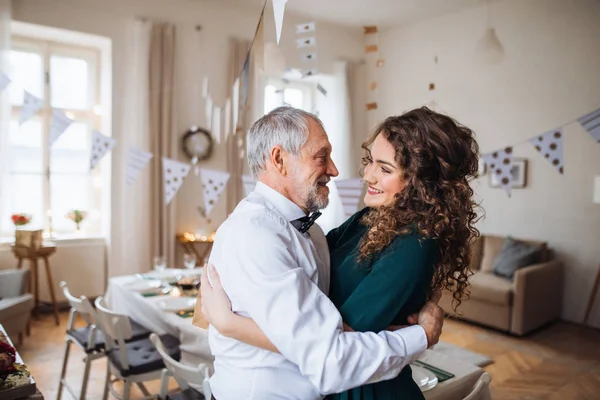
(456, 379)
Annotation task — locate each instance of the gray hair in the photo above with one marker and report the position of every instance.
(284, 126)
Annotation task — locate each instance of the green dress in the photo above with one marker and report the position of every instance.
(384, 291)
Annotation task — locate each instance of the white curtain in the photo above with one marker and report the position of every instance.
(130, 210)
(5, 107)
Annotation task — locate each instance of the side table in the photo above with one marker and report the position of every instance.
(32, 254)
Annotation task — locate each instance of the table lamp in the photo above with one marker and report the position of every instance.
(597, 281)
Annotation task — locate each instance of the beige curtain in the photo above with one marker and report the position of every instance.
(236, 141)
(162, 136)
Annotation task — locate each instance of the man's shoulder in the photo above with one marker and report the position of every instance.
(254, 216)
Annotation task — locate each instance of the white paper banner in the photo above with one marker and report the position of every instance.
(500, 164)
(249, 183)
(550, 145)
(306, 42)
(136, 161)
(4, 81)
(31, 105)
(216, 124)
(278, 12)
(208, 112)
(174, 172)
(591, 123)
(321, 89)
(309, 56)
(227, 125)
(101, 145)
(349, 191)
(60, 123)
(213, 184)
(304, 28)
(309, 72)
(205, 87)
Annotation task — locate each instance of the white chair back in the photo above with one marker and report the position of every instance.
(481, 391)
(116, 329)
(81, 306)
(186, 376)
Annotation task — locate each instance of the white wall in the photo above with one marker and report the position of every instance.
(198, 54)
(550, 76)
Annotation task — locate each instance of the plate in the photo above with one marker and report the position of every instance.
(177, 303)
(144, 286)
(424, 378)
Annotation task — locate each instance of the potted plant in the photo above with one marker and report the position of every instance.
(21, 219)
(77, 216)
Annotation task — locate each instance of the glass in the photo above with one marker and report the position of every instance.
(189, 261)
(160, 263)
(27, 73)
(69, 79)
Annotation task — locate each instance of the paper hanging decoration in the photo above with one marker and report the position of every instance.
(278, 12)
(174, 172)
(350, 191)
(306, 42)
(305, 28)
(31, 105)
(208, 112)
(136, 161)
(4, 81)
(213, 184)
(249, 183)
(101, 145)
(216, 124)
(321, 89)
(374, 62)
(60, 123)
(309, 56)
(500, 164)
(550, 145)
(591, 123)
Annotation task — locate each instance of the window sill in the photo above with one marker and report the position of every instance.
(66, 239)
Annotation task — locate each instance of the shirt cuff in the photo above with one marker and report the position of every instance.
(415, 340)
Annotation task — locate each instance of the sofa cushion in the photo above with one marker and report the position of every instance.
(492, 246)
(516, 254)
(491, 288)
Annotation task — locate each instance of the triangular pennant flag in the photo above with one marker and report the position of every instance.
(208, 112)
(321, 89)
(550, 145)
(216, 124)
(278, 11)
(349, 191)
(101, 145)
(309, 72)
(60, 123)
(591, 123)
(304, 28)
(174, 172)
(213, 183)
(245, 76)
(31, 105)
(136, 161)
(4, 81)
(306, 42)
(500, 163)
(249, 183)
(309, 56)
(205, 87)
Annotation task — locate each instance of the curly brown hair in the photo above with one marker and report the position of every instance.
(438, 158)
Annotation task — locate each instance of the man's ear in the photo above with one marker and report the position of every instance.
(279, 159)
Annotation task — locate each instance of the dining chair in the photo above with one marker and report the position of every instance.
(193, 380)
(481, 390)
(130, 361)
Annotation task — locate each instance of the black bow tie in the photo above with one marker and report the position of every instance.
(303, 224)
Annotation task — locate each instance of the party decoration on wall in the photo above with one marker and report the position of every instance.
(374, 63)
(213, 183)
(4, 81)
(591, 123)
(174, 172)
(31, 105)
(310, 56)
(208, 112)
(137, 160)
(101, 145)
(321, 89)
(278, 11)
(216, 124)
(305, 28)
(350, 191)
(500, 164)
(60, 123)
(306, 42)
(550, 145)
(249, 183)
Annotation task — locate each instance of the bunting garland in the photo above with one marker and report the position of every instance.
(4, 81)
(591, 123)
(174, 172)
(278, 11)
(550, 145)
(31, 105)
(101, 145)
(137, 160)
(60, 123)
(213, 184)
(500, 163)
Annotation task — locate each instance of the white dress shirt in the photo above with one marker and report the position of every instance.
(279, 277)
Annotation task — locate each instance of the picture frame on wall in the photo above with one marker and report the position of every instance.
(518, 172)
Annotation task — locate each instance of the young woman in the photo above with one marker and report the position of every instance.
(413, 236)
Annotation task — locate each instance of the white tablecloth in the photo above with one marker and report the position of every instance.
(145, 310)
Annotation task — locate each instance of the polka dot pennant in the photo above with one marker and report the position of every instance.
(174, 172)
(500, 163)
(213, 184)
(550, 146)
(101, 145)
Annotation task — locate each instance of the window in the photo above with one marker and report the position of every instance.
(279, 92)
(42, 181)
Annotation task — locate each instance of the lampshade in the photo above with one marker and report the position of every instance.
(597, 190)
(490, 49)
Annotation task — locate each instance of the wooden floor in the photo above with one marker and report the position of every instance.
(560, 362)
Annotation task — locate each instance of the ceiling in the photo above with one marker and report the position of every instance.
(357, 13)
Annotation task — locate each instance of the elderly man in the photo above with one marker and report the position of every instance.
(273, 264)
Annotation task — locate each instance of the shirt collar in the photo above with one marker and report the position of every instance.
(288, 208)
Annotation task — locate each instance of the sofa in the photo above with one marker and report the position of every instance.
(15, 303)
(532, 299)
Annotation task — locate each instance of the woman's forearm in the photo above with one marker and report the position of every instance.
(247, 331)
